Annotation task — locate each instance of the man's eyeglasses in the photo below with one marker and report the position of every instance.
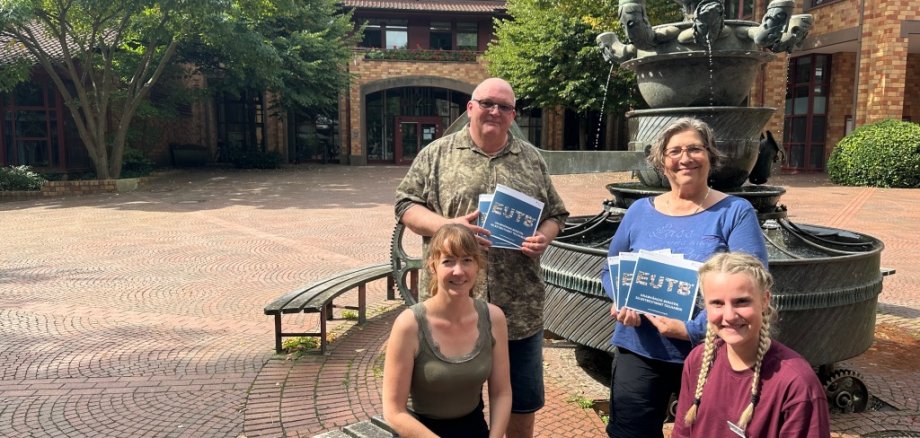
(488, 105)
(692, 151)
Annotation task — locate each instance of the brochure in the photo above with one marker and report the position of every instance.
(625, 276)
(664, 285)
(512, 215)
(485, 201)
(613, 266)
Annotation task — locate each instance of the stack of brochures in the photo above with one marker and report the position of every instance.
(655, 283)
(511, 216)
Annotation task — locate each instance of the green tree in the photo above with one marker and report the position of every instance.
(104, 56)
(547, 51)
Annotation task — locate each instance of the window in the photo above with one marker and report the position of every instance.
(815, 3)
(467, 36)
(240, 124)
(530, 120)
(805, 125)
(440, 36)
(373, 35)
(386, 34)
(397, 34)
(31, 128)
(739, 9)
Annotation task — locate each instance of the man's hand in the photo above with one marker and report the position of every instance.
(535, 245)
(470, 222)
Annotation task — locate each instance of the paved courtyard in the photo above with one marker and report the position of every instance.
(140, 314)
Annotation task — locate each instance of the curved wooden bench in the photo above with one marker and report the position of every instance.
(318, 298)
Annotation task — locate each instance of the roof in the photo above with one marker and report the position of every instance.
(473, 6)
(11, 49)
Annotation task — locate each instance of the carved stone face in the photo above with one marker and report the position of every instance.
(774, 22)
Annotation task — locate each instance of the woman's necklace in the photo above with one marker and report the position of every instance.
(699, 206)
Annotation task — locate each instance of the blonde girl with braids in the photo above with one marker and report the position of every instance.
(740, 382)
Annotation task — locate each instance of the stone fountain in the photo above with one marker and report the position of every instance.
(827, 280)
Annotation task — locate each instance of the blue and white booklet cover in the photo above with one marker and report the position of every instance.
(513, 216)
(613, 266)
(485, 200)
(664, 285)
(625, 276)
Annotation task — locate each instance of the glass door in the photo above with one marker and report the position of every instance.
(414, 133)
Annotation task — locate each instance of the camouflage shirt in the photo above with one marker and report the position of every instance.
(448, 176)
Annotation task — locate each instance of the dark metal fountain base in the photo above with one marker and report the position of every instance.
(827, 280)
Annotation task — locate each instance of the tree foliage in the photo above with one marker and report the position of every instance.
(547, 51)
(104, 56)
(296, 48)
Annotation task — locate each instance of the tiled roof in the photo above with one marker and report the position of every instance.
(11, 49)
(476, 6)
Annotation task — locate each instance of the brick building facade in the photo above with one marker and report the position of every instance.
(859, 65)
(420, 60)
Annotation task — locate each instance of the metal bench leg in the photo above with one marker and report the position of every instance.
(391, 288)
(362, 303)
(322, 330)
(278, 333)
(328, 311)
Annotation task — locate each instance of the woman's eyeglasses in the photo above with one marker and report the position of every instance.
(488, 105)
(692, 151)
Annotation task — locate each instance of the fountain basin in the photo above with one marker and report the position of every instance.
(825, 293)
(737, 131)
(697, 78)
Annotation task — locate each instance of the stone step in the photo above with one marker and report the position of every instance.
(381, 423)
(367, 429)
(333, 434)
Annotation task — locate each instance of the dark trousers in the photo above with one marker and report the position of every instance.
(639, 392)
(472, 425)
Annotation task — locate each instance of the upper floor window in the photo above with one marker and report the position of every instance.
(440, 36)
(814, 3)
(389, 34)
(739, 9)
(467, 36)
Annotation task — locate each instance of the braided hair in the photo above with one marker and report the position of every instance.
(735, 263)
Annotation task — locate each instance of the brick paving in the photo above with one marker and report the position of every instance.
(140, 314)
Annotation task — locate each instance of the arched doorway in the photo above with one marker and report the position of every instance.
(400, 121)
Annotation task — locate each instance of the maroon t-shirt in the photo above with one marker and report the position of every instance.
(792, 401)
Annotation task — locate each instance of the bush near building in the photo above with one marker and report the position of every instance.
(883, 154)
(15, 178)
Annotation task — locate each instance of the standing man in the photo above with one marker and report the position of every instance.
(443, 186)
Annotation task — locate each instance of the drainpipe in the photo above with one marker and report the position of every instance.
(859, 28)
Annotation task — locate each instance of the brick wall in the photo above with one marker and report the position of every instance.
(834, 16)
(62, 188)
(883, 64)
(402, 73)
(840, 102)
(912, 89)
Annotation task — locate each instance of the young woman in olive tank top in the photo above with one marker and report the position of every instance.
(441, 351)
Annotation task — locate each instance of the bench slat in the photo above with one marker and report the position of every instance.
(314, 298)
(331, 292)
(283, 301)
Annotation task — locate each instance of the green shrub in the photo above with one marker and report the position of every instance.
(249, 159)
(135, 164)
(16, 178)
(883, 154)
